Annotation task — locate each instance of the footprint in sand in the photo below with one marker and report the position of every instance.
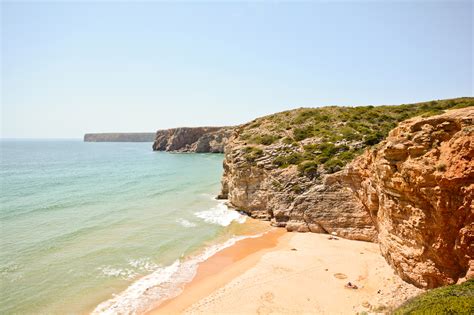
(340, 276)
(268, 297)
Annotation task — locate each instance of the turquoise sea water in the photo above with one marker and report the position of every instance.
(104, 227)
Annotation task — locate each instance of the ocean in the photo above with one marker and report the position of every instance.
(106, 228)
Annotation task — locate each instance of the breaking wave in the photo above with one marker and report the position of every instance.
(220, 215)
(162, 284)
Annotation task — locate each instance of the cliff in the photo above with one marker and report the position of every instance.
(418, 187)
(120, 137)
(198, 139)
(297, 170)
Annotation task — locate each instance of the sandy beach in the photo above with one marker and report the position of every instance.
(288, 273)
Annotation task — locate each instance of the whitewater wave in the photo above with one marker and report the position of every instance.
(138, 266)
(163, 283)
(220, 215)
(143, 264)
(123, 273)
(185, 223)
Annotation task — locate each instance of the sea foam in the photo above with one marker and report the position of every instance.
(220, 215)
(123, 273)
(185, 223)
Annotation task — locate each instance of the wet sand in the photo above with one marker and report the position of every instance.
(290, 273)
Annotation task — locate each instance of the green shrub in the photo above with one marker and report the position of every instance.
(252, 153)
(326, 151)
(264, 139)
(311, 147)
(333, 165)
(244, 136)
(297, 189)
(374, 138)
(280, 161)
(309, 169)
(432, 112)
(350, 134)
(293, 158)
(302, 133)
(347, 155)
(453, 299)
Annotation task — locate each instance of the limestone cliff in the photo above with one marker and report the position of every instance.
(254, 184)
(198, 139)
(418, 187)
(297, 170)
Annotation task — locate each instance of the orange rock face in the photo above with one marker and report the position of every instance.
(418, 187)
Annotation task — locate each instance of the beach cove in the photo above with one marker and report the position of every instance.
(292, 273)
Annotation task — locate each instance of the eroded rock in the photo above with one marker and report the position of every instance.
(418, 187)
(290, 200)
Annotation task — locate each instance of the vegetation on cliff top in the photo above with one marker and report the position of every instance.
(453, 299)
(325, 139)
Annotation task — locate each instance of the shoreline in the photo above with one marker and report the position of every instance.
(219, 268)
(288, 272)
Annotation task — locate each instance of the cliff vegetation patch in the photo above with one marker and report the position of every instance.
(453, 299)
(323, 140)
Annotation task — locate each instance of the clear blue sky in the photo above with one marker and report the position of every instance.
(72, 68)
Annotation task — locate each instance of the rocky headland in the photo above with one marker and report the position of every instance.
(120, 137)
(402, 176)
(192, 139)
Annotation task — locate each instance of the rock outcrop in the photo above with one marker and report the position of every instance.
(187, 139)
(418, 187)
(120, 137)
(289, 200)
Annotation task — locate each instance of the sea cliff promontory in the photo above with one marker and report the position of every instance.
(192, 139)
(351, 171)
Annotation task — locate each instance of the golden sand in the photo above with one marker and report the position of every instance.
(289, 273)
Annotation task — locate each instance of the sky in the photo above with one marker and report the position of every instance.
(68, 68)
